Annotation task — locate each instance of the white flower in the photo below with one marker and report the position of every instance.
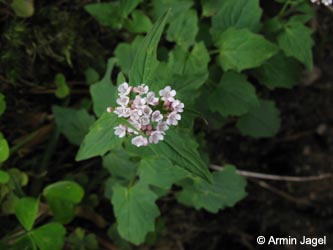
(162, 126)
(139, 102)
(156, 116)
(141, 89)
(144, 120)
(327, 2)
(173, 118)
(120, 131)
(124, 89)
(136, 125)
(156, 136)
(123, 100)
(151, 99)
(146, 110)
(135, 114)
(177, 106)
(167, 94)
(139, 141)
(122, 111)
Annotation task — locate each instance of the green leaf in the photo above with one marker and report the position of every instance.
(145, 60)
(237, 14)
(49, 236)
(279, 72)
(233, 96)
(103, 93)
(296, 41)
(101, 138)
(125, 54)
(210, 7)
(242, 49)
(23, 8)
(4, 149)
(26, 210)
(160, 172)
(127, 6)
(177, 7)
(62, 87)
(107, 14)
(91, 76)
(261, 121)
(135, 211)
(226, 190)
(61, 197)
(79, 240)
(74, 124)
(4, 177)
(140, 23)
(183, 28)
(180, 148)
(2, 104)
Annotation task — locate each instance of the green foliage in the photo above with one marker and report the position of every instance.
(79, 240)
(4, 149)
(261, 121)
(2, 104)
(23, 8)
(135, 210)
(140, 23)
(4, 177)
(226, 189)
(74, 124)
(63, 206)
(62, 90)
(49, 236)
(241, 49)
(26, 210)
(233, 96)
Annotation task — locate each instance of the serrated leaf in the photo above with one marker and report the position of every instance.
(261, 121)
(61, 197)
(279, 72)
(145, 60)
(26, 210)
(49, 236)
(2, 104)
(242, 49)
(101, 138)
(74, 124)
(296, 41)
(226, 189)
(180, 148)
(237, 14)
(4, 177)
(107, 14)
(135, 211)
(103, 93)
(183, 29)
(140, 23)
(4, 149)
(62, 90)
(160, 172)
(233, 96)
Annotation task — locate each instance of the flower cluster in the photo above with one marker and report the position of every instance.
(149, 115)
(324, 2)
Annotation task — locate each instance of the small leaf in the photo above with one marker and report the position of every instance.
(61, 197)
(103, 93)
(62, 87)
(261, 121)
(2, 104)
(183, 29)
(176, 7)
(49, 236)
(23, 8)
(91, 75)
(4, 177)
(279, 72)
(233, 96)
(107, 14)
(101, 138)
(127, 6)
(135, 211)
(145, 60)
(74, 124)
(160, 172)
(4, 149)
(226, 189)
(242, 49)
(26, 210)
(296, 41)
(140, 23)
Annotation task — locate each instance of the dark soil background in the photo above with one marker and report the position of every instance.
(33, 54)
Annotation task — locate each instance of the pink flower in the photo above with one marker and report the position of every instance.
(151, 99)
(139, 141)
(124, 89)
(141, 89)
(162, 126)
(122, 111)
(123, 100)
(144, 120)
(146, 110)
(156, 116)
(167, 94)
(156, 136)
(178, 106)
(173, 118)
(139, 102)
(120, 131)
